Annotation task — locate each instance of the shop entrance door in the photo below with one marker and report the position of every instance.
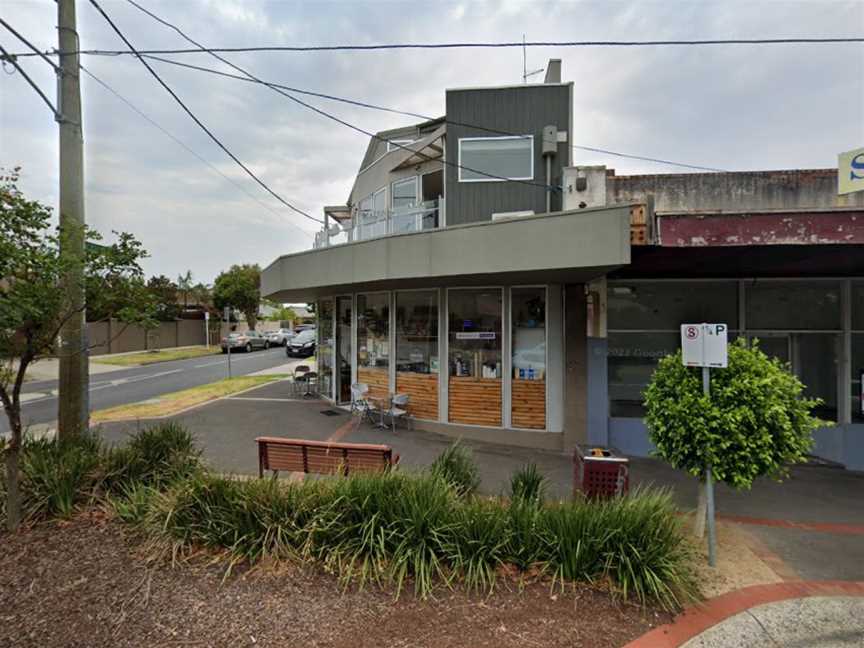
(344, 355)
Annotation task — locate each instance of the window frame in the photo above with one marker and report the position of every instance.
(415, 180)
(487, 178)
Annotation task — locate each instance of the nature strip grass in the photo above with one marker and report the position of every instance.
(176, 402)
(152, 357)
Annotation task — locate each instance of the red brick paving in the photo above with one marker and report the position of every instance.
(699, 618)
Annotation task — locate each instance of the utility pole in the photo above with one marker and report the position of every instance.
(73, 401)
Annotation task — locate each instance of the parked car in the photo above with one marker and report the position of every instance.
(245, 341)
(302, 345)
(280, 337)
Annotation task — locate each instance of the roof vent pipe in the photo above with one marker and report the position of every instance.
(549, 149)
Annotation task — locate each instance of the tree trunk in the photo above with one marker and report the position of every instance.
(13, 495)
(251, 320)
(701, 511)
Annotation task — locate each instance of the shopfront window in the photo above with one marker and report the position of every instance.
(644, 320)
(665, 305)
(475, 356)
(792, 305)
(797, 322)
(324, 352)
(858, 377)
(373, 342)
(528, 387)
(417, 350)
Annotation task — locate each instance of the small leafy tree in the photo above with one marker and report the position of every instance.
(163, 293)
(33, 306)
(755, 422)
(240, 288)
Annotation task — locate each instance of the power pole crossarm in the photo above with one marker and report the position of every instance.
(73, 401)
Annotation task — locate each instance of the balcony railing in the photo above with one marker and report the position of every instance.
(375, 224)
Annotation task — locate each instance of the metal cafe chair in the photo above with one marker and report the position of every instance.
(400, 409)
(359, 403)
(299, 379)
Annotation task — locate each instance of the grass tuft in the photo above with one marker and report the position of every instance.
(457, 467)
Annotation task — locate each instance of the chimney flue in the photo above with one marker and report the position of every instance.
(553, 71)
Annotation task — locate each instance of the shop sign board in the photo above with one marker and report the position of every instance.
(850, 171)
(704, 345)
(475, 335)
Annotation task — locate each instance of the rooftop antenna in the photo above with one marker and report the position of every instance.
(525, 72)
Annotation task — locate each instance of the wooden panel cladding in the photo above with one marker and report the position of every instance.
(529, 404)
(378, 380)
(423, 389)
(640, 225)
(475, 401)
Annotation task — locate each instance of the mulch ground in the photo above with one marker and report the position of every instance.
(85, 583)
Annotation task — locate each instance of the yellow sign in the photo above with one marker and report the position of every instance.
(850, 172)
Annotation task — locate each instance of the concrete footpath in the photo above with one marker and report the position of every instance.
(805, 614)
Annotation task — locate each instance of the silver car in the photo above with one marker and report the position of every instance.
(280, 337)
(245, 341)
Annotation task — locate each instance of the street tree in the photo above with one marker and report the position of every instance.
(33, 306)
(755, 422)
(163, 293)
(239, 287)
(185, 287)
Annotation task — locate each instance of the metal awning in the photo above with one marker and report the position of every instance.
(423, 150)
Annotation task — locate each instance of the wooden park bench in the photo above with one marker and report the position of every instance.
(323, 457)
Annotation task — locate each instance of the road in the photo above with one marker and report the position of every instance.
(141, 383)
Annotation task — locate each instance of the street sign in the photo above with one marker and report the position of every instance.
(704, 345)
(850, 171)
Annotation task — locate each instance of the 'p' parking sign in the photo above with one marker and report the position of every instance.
(704, 345)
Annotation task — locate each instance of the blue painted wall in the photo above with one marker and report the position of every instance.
(841, 443)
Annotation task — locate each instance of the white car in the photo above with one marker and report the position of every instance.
(280, 337)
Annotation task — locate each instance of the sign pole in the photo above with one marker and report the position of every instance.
(705, 345)
(709, 485)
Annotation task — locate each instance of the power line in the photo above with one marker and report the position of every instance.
(11, 58)
(451, 122)
(36, 51)
(198, 121)
(181, 143)
(326, 114)
(490, 45)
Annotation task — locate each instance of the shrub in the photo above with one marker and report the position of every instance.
(457, 467)
(156, 456)
(528, 484)
(755, 422)
(394, 528)
(58, 476)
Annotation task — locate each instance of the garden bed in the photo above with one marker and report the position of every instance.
(85, 582)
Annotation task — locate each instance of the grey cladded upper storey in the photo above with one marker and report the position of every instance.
(498, 154)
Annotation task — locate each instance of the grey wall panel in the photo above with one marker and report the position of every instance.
(518, 110)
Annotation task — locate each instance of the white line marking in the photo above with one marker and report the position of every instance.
(256, 398)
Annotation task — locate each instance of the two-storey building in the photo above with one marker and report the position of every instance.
(521, 299)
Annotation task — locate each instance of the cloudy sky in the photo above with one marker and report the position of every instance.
(742, 107)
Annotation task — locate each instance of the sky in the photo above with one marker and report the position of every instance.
(730, 107)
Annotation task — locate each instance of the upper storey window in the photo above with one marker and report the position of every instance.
(495, 159)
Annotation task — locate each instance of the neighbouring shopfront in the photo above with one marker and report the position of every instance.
(815, 326)
(493, 342)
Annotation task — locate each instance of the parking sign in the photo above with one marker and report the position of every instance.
(704, 345)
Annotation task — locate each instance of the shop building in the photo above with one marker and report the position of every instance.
(521, 299)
